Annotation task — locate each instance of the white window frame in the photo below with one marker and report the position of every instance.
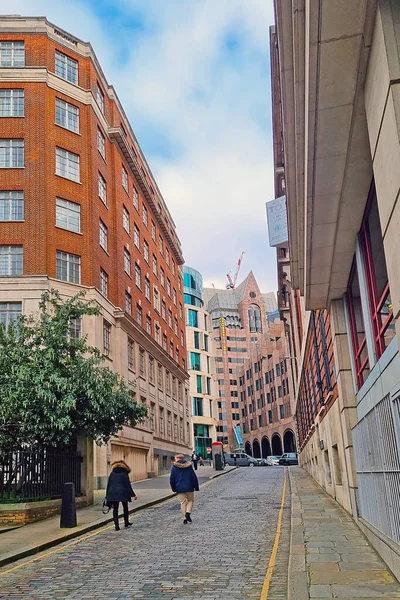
(11, 260)
(126, 219)
(135, 199)
(127, 261)
(125, 182)
(70, 163)
(155, 265)
(73, 266)
(100, 98)
(10, 312)
(15, 47)
(68, 215)
(138, 276)
(101, 143)
(11, 205)
(145, 216)
(103, 235)
(147, 290)
(66, 67)
(11, 153)
(70, 113)
(136, 236)
(103, 282)
(146, 251)
(102, 188)
(128, 303)
(153, 231)
(10, 98)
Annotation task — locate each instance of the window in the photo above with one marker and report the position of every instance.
(135, 199)
(167, 256)
(128, 303)
(11, 206)
(173, 266)
(103, 235)
(192, 318)
(103, 283)
(131, 354)
(169, 288)
(180, 310)
(106, 338)
(170, 318)
(100, 98)
(164, 341)
(153, 232)
(67, 164)
(195, 361)
(174, 296)
(144, 215)
(66, 67)
(11, 154)
(156, 298)
(127, 261)
(155, 265)
(236, 417)
(11, 103)
(138, 276)
(270, 419)
(175, 326)
(164, 310)
(11, 260)
(12, 54)
(136, 236)
(101, 143)
(255, 318)
(148, 325)
(68, 215)
(161, 244)
(125, 184)
(102, 188)
(171, 349)
(68, 267)
(67, 115)
(10, 312)
(125, 219)
(146, 251)
(281, 412)
(197, 407)
(183, 339)
(139, 314)
(158, 333)
(196, 336)
(147, 288)
(162, 277)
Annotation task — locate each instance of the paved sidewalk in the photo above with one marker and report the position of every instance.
(24, 541)
(330, 557)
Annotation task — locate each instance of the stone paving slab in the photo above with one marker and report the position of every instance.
(339, 561)
(36, 537)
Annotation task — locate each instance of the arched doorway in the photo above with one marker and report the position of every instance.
(265, 447)
(256, 449)
(247, 449)
(289, 441)
(276, 445)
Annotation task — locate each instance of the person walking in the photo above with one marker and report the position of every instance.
(119, 489)
(184, 482)
(195, 459)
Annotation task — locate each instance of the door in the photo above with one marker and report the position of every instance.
(136, 458)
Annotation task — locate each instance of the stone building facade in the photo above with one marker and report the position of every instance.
(336, 89)
(80, 209)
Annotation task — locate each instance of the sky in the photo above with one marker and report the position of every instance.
(194, 79)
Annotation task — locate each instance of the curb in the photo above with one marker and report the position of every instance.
(30, 550)
(297, 576)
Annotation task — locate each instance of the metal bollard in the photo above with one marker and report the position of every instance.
(68, 507)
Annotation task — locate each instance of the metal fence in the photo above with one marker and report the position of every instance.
(376, 443)
(33, 475)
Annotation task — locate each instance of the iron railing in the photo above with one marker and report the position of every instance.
(33, 475)
(377, 456)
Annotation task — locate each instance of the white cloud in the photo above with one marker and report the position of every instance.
(178, 80)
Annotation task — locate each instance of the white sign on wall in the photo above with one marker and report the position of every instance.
(277, 221)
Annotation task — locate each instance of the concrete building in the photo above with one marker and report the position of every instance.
(266, 396)
(336, 104)
(200, 344)
(239, 320)
(80, 209)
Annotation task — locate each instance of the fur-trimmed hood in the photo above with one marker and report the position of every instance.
(182, 463)
(120, 464)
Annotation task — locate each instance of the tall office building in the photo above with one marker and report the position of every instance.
(80, 209)
(203, 390)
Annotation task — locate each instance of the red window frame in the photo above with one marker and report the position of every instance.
(358, 346)
(376, 303)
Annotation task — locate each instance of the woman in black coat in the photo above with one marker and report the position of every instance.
(119, 489)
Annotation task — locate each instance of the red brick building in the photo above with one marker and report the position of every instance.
(78, 203)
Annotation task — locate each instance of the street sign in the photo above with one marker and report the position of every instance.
(277, 221)
(208, 450)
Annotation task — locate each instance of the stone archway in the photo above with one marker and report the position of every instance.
(289, 441)
(256, 449)
(265, 447)
(276, 445)
(248, 449)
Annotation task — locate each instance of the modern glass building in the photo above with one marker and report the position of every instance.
(203, 389)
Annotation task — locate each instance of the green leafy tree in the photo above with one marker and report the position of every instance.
(54, 387)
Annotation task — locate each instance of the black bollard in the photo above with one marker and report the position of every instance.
(68, 508)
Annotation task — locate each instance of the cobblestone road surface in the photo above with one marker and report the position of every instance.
(222, 555)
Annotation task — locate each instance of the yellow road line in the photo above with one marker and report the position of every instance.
(272, 560)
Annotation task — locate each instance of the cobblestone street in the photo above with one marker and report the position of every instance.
(223, 554)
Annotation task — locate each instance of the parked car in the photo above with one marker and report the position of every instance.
(289, 458)
(261, 462)
(242, 460)
(273, 461)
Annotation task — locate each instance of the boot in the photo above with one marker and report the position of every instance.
(188, 518)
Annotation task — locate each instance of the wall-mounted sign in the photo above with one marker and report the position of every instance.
(277, 221)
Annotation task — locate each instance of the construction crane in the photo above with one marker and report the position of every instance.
(233, 278)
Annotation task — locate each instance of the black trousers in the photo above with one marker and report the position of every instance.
(115, 512)
(195, 465)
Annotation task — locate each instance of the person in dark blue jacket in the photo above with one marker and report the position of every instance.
(184, 482)
(119, 489)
